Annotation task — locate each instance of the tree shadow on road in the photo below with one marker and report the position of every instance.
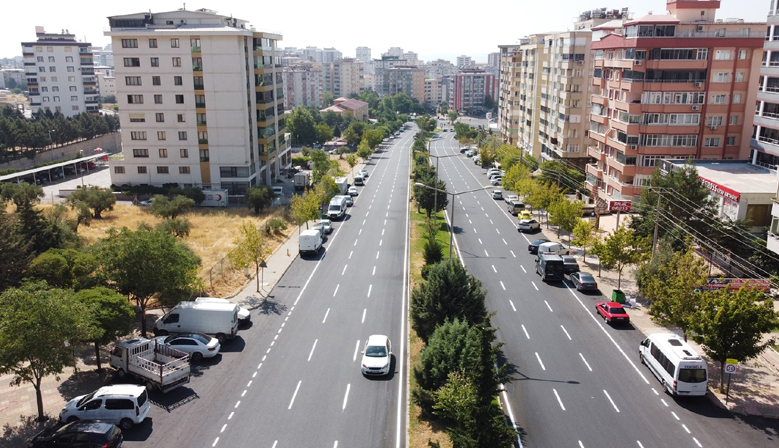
(84, 382)
(18, 435)
(271, 306)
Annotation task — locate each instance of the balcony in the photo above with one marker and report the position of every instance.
(596, 154)
(765, 144)
(195, 49)
(199, 87)
(768, 120)
(775, 208)
(197, 68)
(200, 105)
(772, 242)
(202, 141)
(595, 170)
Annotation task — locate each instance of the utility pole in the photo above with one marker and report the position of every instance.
(657, 222)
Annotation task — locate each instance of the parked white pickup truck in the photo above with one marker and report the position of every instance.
(157, 365)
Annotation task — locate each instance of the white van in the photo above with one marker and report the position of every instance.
(337, 208)
(124, 405)
(681, 370)
(217, 319)
(359, 180)
(309, 242)
(244, 316)
(552, 247)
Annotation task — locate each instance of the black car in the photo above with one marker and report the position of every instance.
(533, 247)
(81, 434)
(583, 281)
(570, 265)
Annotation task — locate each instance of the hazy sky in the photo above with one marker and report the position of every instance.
(432, 29)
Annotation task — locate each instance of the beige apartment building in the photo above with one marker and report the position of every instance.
(344, 77)
(670, 86)
(508, 96)
(434, 91)
(404, 79)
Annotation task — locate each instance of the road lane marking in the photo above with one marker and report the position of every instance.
(355, 242)
(274, 443)
(215, 442)
(612, 401)
(356, 349)
(501, 283)
(534, 283)
(346, 397)
(370, 287)
(566, 333)
(585, 362)
(512, 305)
(336, 289)
(382, 232)
(350, 254)
(344, 271)
(696, 442)
(581, 445)
(249, 384)
(380, 242)
(558, 399)
(470, 222)
(485, 253)
(385, 222)
(363, 221)
(675, 416)
(326, 313)
(474, 231)
(294, 395)
(360, 232)
(374, 270)
(526, 335)
(480, 241)
(685, 428)
(377, 254)
(312, 349)
(540, 362)
(493, 224)
(493, 268)
(547, 305)
(237, 404)
(504, 242)
(224, 426)
(365, 310)
(653, 390)
(662, 400)
(244, 393)
(231, 415)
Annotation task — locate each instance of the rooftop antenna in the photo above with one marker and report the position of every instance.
(185, 6)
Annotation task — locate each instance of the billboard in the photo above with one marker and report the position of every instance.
(620, 206)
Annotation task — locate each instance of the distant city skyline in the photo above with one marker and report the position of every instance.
(444, 32)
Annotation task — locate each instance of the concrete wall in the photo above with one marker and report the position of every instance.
(111, 143)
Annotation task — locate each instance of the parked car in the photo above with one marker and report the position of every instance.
(524, 214)
(376, 356)
(497, 180)
(364, 172)
(528, 225)
(612, 312)
(121, 404)
(533, 247)
(510, 197)
(349, 201)
(515, 207)
(497, 194)
(78, 434)
(353, 191)
(583, 281)
(198, 345)
(570, 265)
(326, 225)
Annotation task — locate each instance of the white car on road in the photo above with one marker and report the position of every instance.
(353, 191)
(376, 356)
(198, 345)
(528, 225)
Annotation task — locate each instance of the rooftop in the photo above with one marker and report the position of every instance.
(737, 175)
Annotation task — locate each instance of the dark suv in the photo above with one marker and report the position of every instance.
(81, 434)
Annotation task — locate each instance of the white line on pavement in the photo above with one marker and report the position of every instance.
(346, 396)
(512, 305)
(612, 401)
(365, 310)
(558, 399)
(540, 362)
(312, 349)
(526, 335)
(356, 349)
(326, 313)
(566, 333)
(585, 362)
(294, 395)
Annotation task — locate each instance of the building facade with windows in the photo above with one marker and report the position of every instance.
(672, 86)
(508, 96)
(60, 74)
(200, 101)
(403, 79)
(303, 85)
(765, 136)
(470, 89)
(344, 77)
(434, 92)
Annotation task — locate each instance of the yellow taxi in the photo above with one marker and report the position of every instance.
(524, 214)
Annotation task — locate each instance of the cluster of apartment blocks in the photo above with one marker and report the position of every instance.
(618, 95)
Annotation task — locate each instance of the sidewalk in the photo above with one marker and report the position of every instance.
(754, 389)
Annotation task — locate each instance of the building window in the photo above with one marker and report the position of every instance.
(40, 58)
(73, 98)
(72, 88)
(201, 119)
(140, 153)
(157, 99)
(71, 69)
(137, 118)
(132, 80)
(742, 54)
(135, 99)
(44, 89)
(42, 69)
(204, 156)
(45, 99)
(161, 135)
(177, 81)
(736, 98)
(155, 81)
(138, 135)
(132, 62)
(160, 117)
(51, 58)
(718, 99)
(162, 170)
(74, 108)
(141, 170)
(731, 140)
(174, 43)
(733, 119)
(714, 121)
(52, 69)
(118, 170)
(55, 89)
(180, 118)
(739, 76)
(129, 43)
(155, 62)
(183, 170)
(152, 43)
(184, 153)
(182, 135)
(711, 142)
(68, 58)
(722, 55)
(179, 99)
(720, 77)
(177, 62)
(56, 99)
(163, 153)
(202, 137)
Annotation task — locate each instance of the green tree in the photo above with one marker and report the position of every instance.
(194, 193)
(96, 198)
(351, 159)
(259, 198)
(584, 235)
(320, 165)
(304, 208)
(251, 247)
(542, 195)
(673, 289)
(364, 151)
(443, 108)
(353, 133)
(455, 402)
(327, 98)
(453, 116)
(565, 215)
(300, 124)
(326, 188)
(145, 263)
(38, 326)
(449, 293)
(620, 249)
(372, 138)
(323, 133)
(732, 325)
(15, 252)
(171, 208)
(425, 196)
(517, 179)
(65, 268)
(178, 227)
(21, 194)
(112, 314)
(489, 103)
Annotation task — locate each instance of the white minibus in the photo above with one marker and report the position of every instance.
(681, 370)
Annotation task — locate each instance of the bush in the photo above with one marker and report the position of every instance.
(300, 161)
(178, 227)
(275, 226)
(432, 251)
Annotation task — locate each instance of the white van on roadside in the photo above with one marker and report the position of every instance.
(216, 319)
(678, 367)
(552, 247)
(337, 208)
(244, 316)
(309, 242)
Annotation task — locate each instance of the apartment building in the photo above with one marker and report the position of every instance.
(60, 74)
(765, 136)
(434, 92)
(470, 89)
(344, 77)
(380, 66)
(508, 94)
(671, 86)
(403, 79)
(200, 101)
(439, 68)
(464, 61)
(363, 54)
(303, 85)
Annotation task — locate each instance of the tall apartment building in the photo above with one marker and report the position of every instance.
(329, 55)
(303, 85)
(464, 61)
(470, 89)
(765, 136)
(411, 58)
(60, 74)
(405, 79)
(394, 51)
(344, 77)
(439, 68)
(434, 92)
(380, 66)
(508, 94)
(671, 86)
(493, 60)
(363, 54)
(200, 101)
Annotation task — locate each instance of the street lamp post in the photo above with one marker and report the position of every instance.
(435, 200)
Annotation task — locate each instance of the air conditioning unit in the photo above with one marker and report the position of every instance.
(713, 128)
(637, 62)
(700, 28)
(698, 84)
(634, 147)
(580, 62)
(694, 107)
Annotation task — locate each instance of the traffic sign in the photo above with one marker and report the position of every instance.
(731, 365)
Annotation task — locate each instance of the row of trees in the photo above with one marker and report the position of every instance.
(21, 136)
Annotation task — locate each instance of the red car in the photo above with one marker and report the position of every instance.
(612, 312)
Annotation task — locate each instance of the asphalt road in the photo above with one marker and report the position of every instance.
(293, 378)
(577, 381)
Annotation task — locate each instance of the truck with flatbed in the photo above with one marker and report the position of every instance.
(157, 365)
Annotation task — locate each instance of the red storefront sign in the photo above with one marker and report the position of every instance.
(620, 206)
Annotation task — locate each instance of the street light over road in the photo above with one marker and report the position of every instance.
(435, 198)
(451, 220)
